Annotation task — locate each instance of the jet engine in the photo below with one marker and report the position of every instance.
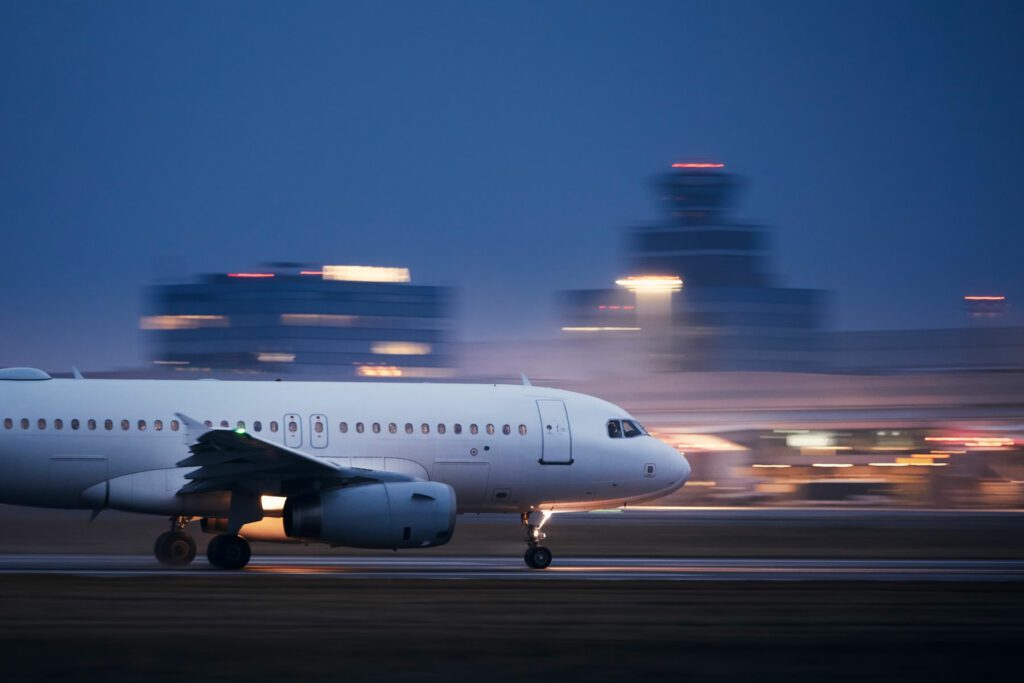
(417, 514)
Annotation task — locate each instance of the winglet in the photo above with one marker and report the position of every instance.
(526, 380)
(76, 373)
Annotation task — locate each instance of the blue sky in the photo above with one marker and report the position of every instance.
(497, 147)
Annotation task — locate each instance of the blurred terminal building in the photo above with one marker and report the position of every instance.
(329, 322)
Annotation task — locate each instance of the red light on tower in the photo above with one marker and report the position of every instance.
(694, 164)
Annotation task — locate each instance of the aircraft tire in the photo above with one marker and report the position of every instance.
(174, 548)
(228, 551)
(538, 558)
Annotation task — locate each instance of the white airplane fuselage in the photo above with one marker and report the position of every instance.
(95, 444)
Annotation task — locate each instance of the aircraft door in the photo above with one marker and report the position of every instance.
(554, 424)
(292, 431)
(318, 431)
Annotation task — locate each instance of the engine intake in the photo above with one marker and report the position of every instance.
(417, 514)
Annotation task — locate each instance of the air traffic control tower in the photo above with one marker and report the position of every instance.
(730, 313)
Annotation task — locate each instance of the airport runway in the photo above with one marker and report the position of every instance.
(405, 567)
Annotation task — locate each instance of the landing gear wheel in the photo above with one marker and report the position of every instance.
(174, 548)
(228, 551)
(538, 557)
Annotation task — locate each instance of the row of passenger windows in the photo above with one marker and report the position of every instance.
(91, 425)
(257, 426)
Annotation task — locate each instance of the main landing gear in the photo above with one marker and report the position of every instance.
(537, 556)
(228, 551)
(175, 548)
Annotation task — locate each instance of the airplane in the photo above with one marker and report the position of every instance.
(356, 464)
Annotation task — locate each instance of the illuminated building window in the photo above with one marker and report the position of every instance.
(108, 424)
(400, 348)
(257, 426)
(343, 427)
(441, 428)
(376, 427)
(75, 424)
(273, 426)
(158, 425)
(408, 427)
(41, 423)
(224, 424)
(125, 425)
(24, 423)
(8, 423)
(473, 429)
(92, 425)
(506, 429)
(365, 274)
(522, 429)
(142, 425)
(274, 357)
(359, 427)
(490, 429)
(182, 322)
(392, 428)
(58, 423)
(457, 428)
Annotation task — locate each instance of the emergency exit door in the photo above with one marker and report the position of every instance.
(557, 439)
(292, 431)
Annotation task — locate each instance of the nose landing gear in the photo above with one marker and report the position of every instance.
(175, 548)
(537, 556)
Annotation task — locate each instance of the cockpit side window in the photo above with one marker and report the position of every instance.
(631, 429)
(614, 429)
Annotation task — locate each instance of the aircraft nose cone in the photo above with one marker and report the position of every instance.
(675, 465)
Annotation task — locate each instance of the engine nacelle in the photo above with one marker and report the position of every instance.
(417, 514)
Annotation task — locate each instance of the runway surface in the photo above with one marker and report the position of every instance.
(406, 567)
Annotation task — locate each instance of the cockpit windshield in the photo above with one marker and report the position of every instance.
(619, 429)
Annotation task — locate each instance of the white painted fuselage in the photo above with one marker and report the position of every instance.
(503, 448)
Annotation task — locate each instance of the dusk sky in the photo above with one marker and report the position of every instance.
(497, 147)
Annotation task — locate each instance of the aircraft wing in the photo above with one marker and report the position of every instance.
(228, 459)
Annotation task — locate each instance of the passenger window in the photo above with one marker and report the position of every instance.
(376, 427)
(208, 423)
(174, 425)
(506, 429)
(273, 426)
(441, 428)
(58, 423)
(24, 423)
(408, 427)
(343, 427)
(125, 425)
(392, 427)
(425, 428)
(522, 429)
(8, 423)
(473, 429)
(142, 425)
(318, 427)
(108, 424)
(257, 426)
(293, 426)
(457, 428)
(359, 427)
(41, 423)
(629, 429)
(158, 425)
(92, 425)
(75, 424)
(224, 424)
(614, 429)
(240, 425)
(490, 429)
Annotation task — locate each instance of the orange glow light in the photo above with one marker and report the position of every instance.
(255, 275)
(985, 298)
